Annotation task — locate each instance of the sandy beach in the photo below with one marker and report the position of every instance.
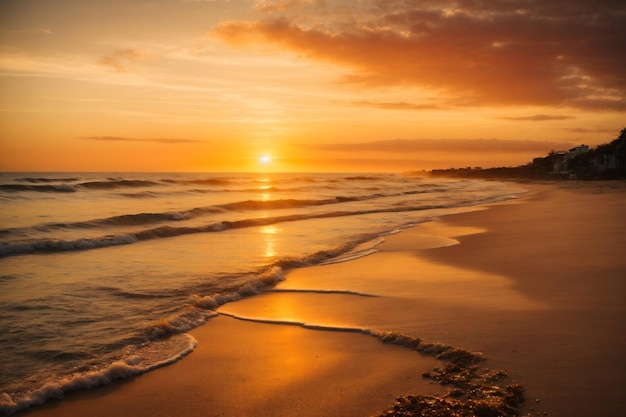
(536, 285)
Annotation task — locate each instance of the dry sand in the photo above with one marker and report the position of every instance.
(537, 285)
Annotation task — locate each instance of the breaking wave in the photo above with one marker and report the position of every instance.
(46, 180)
(134, 364)
(61, 188)
(117, 184)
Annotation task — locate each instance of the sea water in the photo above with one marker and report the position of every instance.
(103, 274)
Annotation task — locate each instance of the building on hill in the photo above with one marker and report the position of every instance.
(559, 162)
(578, 150)
(561, 159)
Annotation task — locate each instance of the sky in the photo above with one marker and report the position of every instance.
(306, 85)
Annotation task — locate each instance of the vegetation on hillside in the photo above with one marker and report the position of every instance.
(607, 161)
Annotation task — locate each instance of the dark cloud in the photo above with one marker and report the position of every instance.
(593, 130)
(453, 146)
(123, 139)
(483, 52)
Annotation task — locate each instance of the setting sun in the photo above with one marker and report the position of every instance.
(265, 159)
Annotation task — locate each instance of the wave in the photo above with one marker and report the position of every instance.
(185, 192)
(163, 343)
(151, 218)
(106, 185)
(363, 178)
(116, 292)
(143, 194)
(286, 203)
(45, 180)
(70, 188)
(51, 245)
(42, 245)
(123, 368)
(121, 220)
(60, 188)
(47, 245)
(142, 218)
(205, 181)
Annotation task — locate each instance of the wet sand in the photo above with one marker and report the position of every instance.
(536, 285)
(565, 250)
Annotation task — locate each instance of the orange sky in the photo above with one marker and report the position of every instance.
(318, 85)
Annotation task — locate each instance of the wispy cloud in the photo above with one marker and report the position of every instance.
(592, 130)
(453, 146)
(125, 139)
(122, 60)
(538, 118)
(397, 105)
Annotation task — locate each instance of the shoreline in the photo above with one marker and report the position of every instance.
(477, 280)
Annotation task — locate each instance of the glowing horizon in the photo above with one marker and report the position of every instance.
(317, 86)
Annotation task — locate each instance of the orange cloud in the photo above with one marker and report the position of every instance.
(123, 139)
(451, 146)
(592, 130)
(398, 105)
(519, 52)
(122, 60)
(538, 118)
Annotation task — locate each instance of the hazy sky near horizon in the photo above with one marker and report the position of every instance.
(316, 85)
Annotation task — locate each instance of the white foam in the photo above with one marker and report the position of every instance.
(362, 250)
(181, 323)
(272, 275)
(301, 324)
(320, 291)
(129, 366)
(207, 302)
(269, 277)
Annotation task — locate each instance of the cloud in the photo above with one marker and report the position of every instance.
(593, 130)
(490, 52)
(271, 6)
(538, 118)
(122, 60)
(453, 146)
(398, 105)
(124, 139)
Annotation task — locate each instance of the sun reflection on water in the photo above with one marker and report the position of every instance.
(265, 188)
(269, 235)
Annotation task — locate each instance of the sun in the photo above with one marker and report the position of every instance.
(265, 159)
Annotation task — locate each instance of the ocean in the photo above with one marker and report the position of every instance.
(102, 275)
